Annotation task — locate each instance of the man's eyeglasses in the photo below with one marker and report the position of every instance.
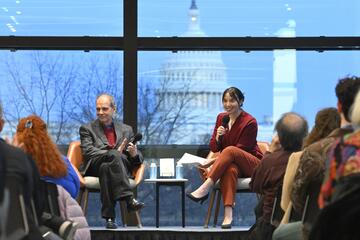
(104, 109)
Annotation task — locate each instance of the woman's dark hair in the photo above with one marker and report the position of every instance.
(346, 90)
(326, 121)
(235, 93)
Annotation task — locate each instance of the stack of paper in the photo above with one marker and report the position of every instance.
(188, 158)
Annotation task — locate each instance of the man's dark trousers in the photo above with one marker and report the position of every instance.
(113, 172)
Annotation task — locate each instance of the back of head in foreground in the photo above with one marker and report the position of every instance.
(346, 90)
(32, 134)
(291, 128)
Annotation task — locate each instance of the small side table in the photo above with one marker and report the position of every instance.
(169, 182)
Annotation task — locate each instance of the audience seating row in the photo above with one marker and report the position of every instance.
(16, 214)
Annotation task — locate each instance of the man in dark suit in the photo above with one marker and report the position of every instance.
(109, 156)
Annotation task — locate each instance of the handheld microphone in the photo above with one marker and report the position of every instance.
(135, 138)
(224, 123)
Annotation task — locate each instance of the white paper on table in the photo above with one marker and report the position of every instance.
(188, 158)
(167, 168)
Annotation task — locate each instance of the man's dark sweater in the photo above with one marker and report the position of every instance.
(268, 177)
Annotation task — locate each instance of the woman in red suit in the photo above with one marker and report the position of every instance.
(234, 137)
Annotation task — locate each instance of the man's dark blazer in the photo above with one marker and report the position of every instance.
(94, 144)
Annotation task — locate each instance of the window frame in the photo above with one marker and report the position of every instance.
(131, 44)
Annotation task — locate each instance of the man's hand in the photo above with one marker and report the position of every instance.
(132, 149)
(122, 145)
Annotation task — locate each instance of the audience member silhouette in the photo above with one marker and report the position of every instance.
(23, 167)
(326, 121)
(340, 192)
(291, 129)
(311, 164)
(32, 136)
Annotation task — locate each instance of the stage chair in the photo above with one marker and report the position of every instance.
(91, 184)
(242, 186)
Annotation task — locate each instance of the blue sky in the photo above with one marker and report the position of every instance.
(169, 17)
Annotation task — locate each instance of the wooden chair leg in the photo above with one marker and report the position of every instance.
(86, 199)
(211, 203)
(217, 206)
(123, 212)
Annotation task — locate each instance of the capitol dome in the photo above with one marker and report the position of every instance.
(200, 75)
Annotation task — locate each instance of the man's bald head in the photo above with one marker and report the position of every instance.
(109, 97)
(291, 129)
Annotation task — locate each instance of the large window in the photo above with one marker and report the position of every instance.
(257, 18)
(180, 92)
(59, 86)
(61, 18)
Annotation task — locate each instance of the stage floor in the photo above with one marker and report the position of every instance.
(152, 233)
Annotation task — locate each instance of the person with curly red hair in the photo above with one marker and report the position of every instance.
(32, 135)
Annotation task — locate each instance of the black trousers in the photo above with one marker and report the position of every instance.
(113, 171)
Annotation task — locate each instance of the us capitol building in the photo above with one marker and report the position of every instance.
(202, 76)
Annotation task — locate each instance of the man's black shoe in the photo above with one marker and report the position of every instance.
(134, 205)
(110, 223)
